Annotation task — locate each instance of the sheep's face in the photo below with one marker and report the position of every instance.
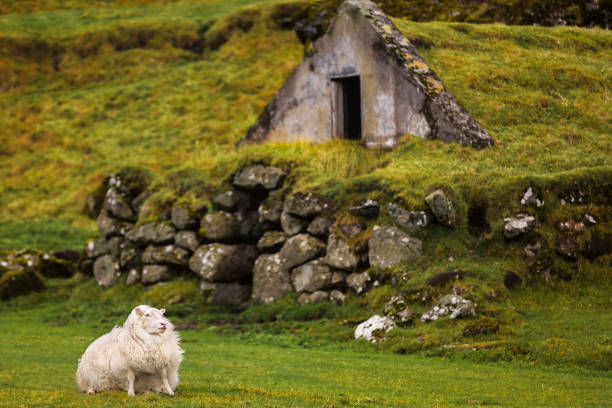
(152, 320)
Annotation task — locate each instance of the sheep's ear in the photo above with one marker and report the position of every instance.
(139, 311)
(162, 311)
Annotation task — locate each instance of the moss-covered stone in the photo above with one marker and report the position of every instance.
(18, 282)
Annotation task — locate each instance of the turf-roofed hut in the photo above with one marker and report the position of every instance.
(363, 80)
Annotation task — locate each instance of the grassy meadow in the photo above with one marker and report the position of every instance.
(290, 365)
(88, 87)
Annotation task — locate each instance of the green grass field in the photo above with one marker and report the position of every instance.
(89, 87)
(39, 358)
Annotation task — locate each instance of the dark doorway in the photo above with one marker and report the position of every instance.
(348, 114)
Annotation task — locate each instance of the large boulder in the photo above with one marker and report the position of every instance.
(112, 227)
(156, 273)
(270, 210)
(259, 177)
(151, 233)
(300, 249)
(167, 254)
(321, 226)
(271, 279)
(292, 224)
(187, 240)
(97, 247)
(304, 205)
(374, 329)
(453, 306)
(441, 207)
(232, 200)
(106, 271)
(397, 310)
(118, 206)
(368, 208)
(130, 257)
(312, 276)
(389, 246)
(519, 225)
(339, 254)
(220, 226)
(184, 217)
(230, 294)
(359, 282)
(224, 263)
(272, 241)
(412, 222)
(17, 280)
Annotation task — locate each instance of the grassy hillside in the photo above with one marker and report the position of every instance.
(84, 95)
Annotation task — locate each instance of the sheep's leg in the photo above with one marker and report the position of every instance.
(130, 378)
(165, 384)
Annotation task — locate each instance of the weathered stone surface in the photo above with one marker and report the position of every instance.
(187, 240)
(291, 224)
(249, 227)
(271, 241)
(52, 267)
(167, 254)
(516, 226)
(232, 200)
(259, 177)
(116, 245)
(118, 206)
(70, 255)
(17, 280)
(271, 279)
(133, 276)
(106, 271)
(441, 207)
(390, 246)
(374, 329)
(97, 247)
(319, 296)
(339, 254)
(229, 294)
(151, 233)
(399, 93)
(304, 298)
(412, 222)
(453, 306)
(339, 278)
(224, 263)
(368, 208)
(304, 205)
(359, 282)
(350, 230)
(111, 227)
(568, 247)
(312, 276)
(156, 273)
(320, 226)
(530, 197)
(397, 310)
(270, 210)
(140, 199)
(220, 226)
(300, 249)
(337, 297)
(183, 217)
(130, 257)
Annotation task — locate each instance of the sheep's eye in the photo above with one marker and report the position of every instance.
(148, 315)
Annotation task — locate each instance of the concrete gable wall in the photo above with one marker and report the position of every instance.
(399, 93)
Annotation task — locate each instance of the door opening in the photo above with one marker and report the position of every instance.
(348, 108)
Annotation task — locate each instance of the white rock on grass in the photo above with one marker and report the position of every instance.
(374, 329)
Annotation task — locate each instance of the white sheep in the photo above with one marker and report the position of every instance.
(142, 355)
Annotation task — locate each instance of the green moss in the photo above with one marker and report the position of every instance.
(19, 282)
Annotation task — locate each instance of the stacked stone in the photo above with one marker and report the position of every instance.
(230, 233)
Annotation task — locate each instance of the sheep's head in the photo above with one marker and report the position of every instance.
(152, 320)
